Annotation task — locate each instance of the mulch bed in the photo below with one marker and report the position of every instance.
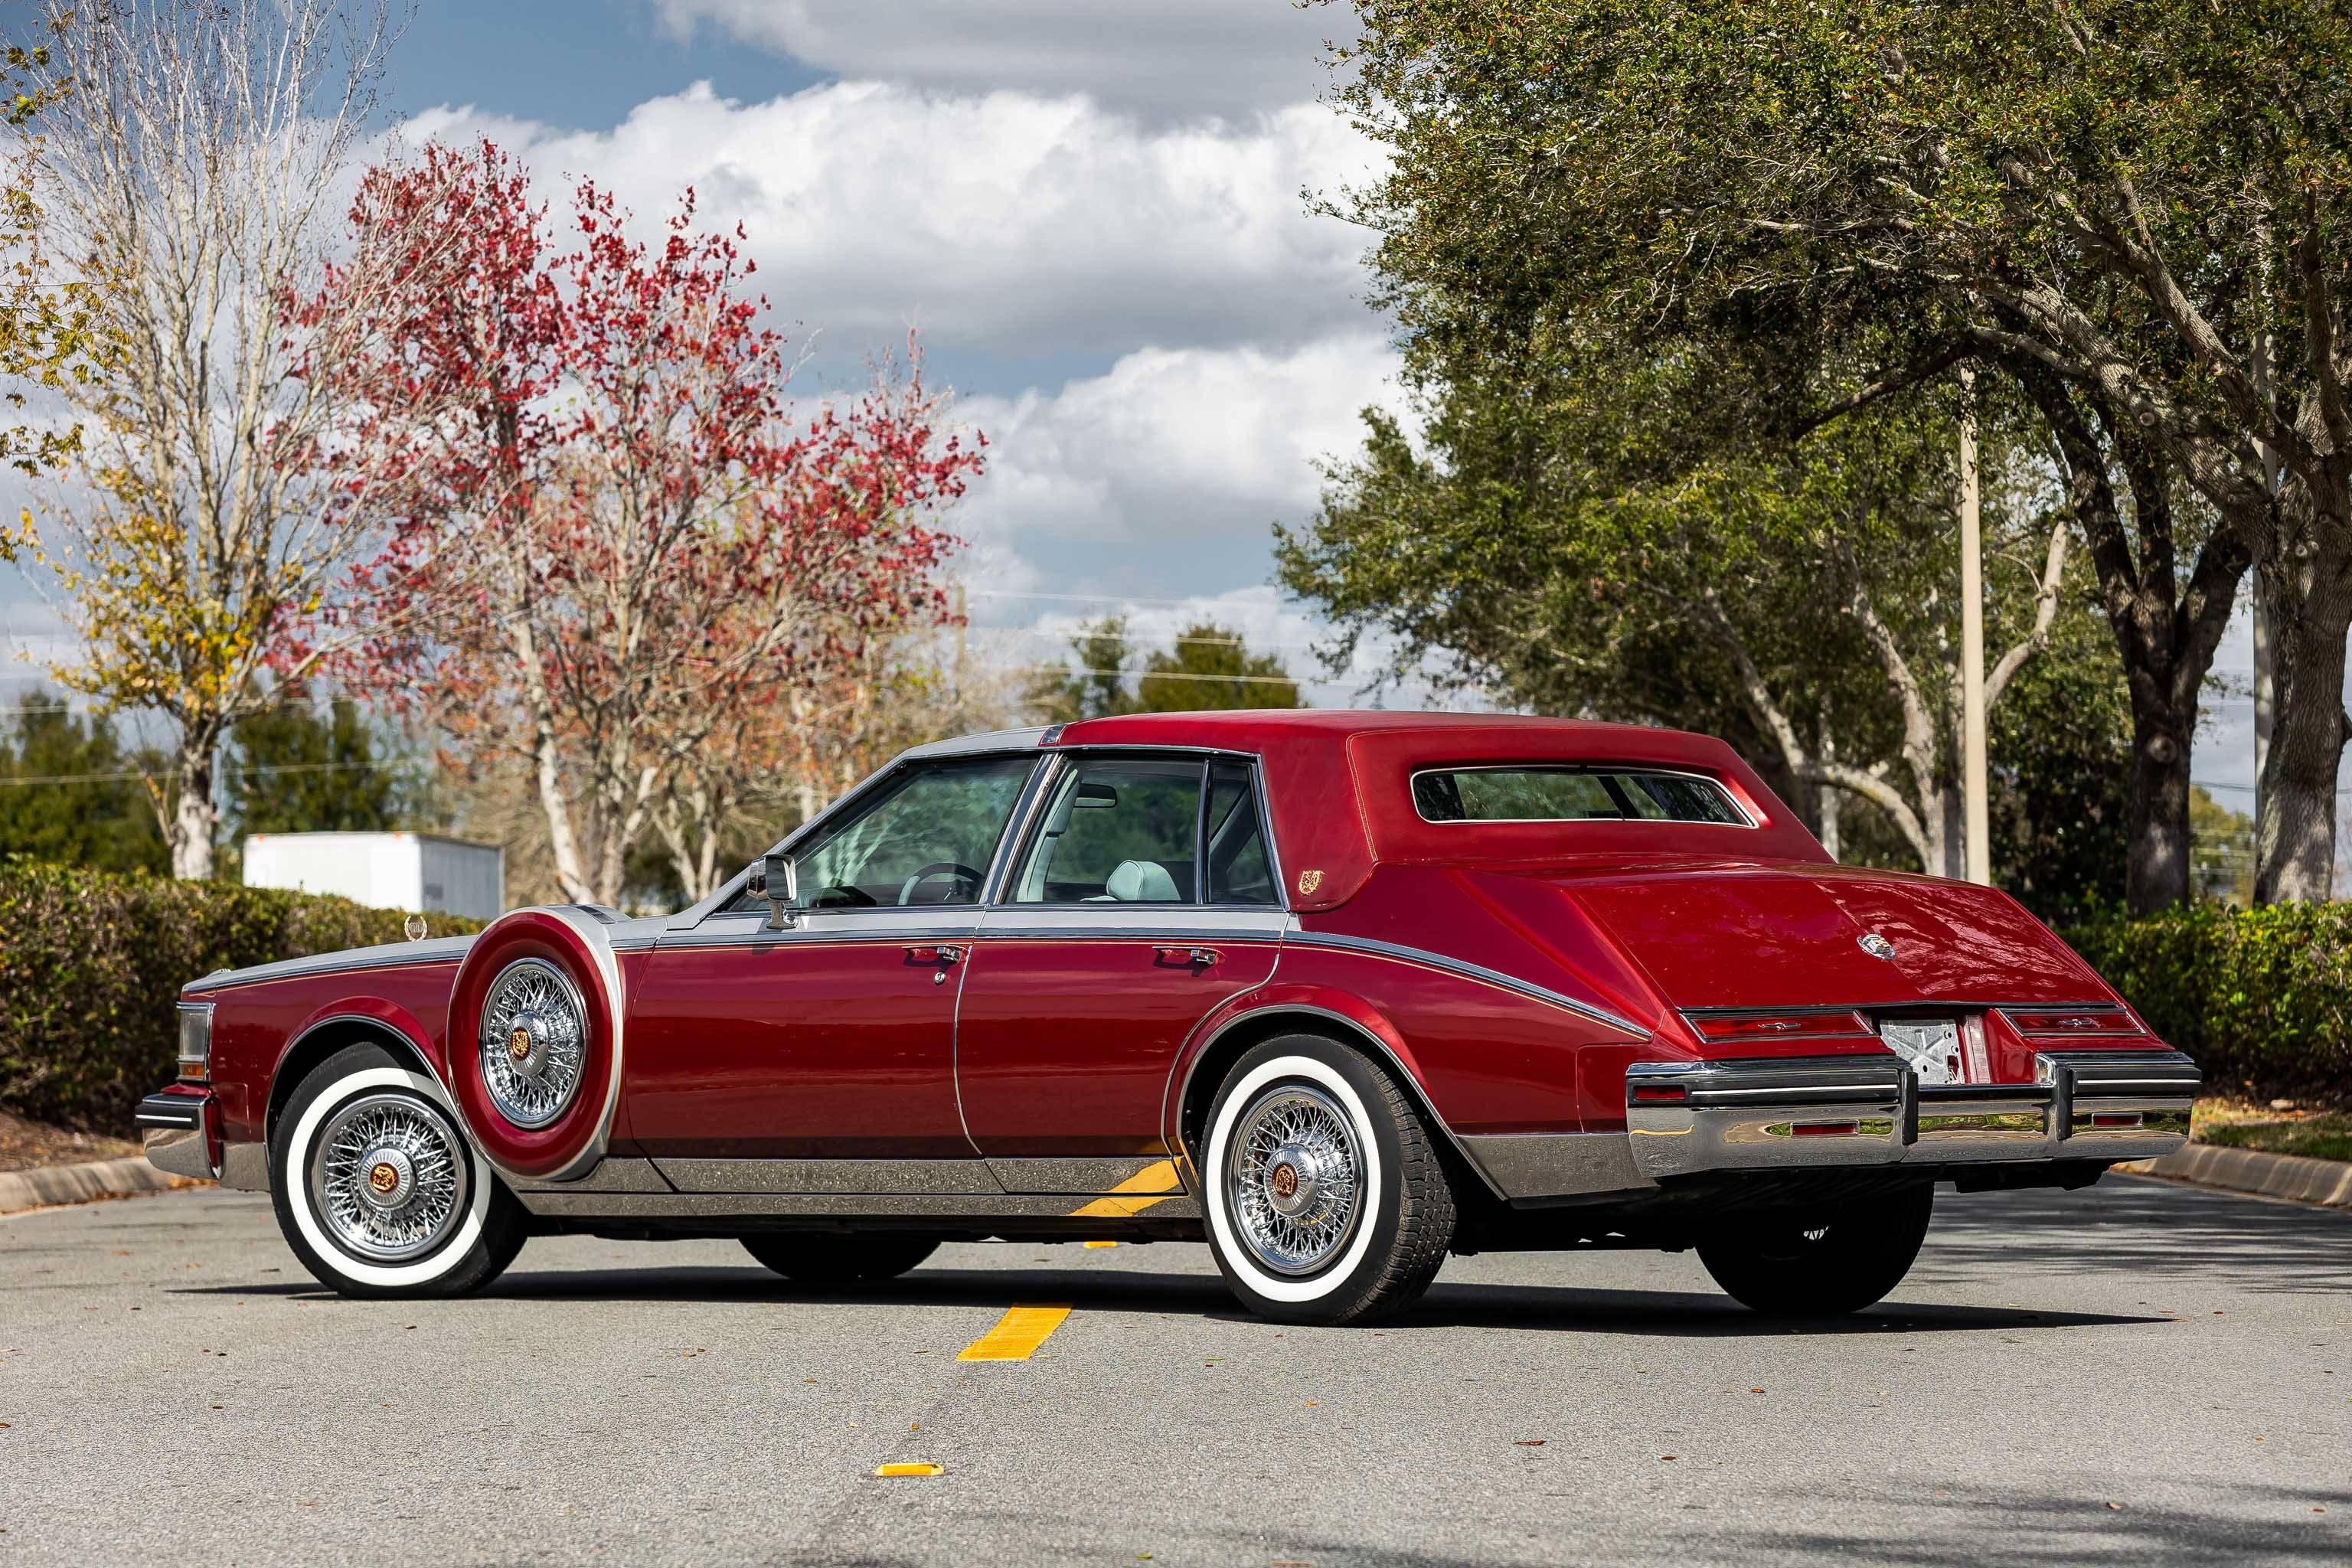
(24, 1145)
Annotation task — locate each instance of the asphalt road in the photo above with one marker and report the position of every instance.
(2136, 1374)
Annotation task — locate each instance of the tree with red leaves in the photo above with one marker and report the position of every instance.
(618, 548)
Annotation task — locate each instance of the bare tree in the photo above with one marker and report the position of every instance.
(188, 171)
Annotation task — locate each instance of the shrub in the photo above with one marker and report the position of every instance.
(91, 964)
(2262, 999)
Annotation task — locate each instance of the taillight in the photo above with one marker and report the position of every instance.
(1826, 1024)
(2072, 1022)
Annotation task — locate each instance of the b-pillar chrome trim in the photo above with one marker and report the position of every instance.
(1870, 1109)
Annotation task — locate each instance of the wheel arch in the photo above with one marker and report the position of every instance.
(1229, 1038)
(332, 1031)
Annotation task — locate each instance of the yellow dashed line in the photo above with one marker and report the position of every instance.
(1092, 1244)
(911, 1469)
(1017, 1334)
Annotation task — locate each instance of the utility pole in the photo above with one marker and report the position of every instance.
(1979, 813)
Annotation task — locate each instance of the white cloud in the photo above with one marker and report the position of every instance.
(1169, 58)
(1206, 445)
(1009, 223)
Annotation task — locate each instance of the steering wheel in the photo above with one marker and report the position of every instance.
(961, 873)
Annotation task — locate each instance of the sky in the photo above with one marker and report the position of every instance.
(1096, 216)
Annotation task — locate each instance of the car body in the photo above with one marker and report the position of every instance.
(1527, 982)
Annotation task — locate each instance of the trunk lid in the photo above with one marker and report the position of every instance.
(1794, 936)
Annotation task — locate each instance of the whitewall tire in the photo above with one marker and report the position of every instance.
(376, 1188)
(1327, 1201)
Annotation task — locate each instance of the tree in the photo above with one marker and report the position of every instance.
(614, 541)
(2137, 210)
(50, 327)
(1799, 597)
(295, 770)
(187, 148)
(70, 793)
(1206, 666)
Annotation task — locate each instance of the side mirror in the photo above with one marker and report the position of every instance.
(780, 879)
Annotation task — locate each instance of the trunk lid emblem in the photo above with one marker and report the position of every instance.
(1877, 946)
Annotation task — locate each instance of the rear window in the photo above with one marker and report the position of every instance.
(1570, 793)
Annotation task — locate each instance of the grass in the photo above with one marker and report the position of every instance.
(2325, 1136)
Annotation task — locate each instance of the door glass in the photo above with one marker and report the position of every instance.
(926, 838)
(1116, 832)
(1239, 871)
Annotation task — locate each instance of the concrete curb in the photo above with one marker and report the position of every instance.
(2293, 1177)
(48, 1185)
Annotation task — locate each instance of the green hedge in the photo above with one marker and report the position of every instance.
(91, 964)
(2262, 999)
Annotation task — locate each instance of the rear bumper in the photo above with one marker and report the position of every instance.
(182, 1128)
(1814, 1112)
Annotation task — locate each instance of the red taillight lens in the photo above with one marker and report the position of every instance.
(1825, 1129)
(1660, 1094)
(1829, 1023)
(2072, 1022)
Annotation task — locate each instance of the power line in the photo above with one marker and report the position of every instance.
(125, 777)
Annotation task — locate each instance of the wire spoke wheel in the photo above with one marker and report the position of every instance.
(535, 1042)
(1294, 1177)
(388, 1176)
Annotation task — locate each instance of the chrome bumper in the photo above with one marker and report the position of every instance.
(1815, 1112)
(180, 1133)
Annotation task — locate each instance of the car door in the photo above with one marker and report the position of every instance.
(1114, 935)
(821, 1057)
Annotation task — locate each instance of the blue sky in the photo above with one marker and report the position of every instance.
(1092, 209)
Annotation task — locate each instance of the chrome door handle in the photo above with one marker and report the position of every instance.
(1194, 957)
(939, 955)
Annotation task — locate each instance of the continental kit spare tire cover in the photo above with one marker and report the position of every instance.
(535, 1042)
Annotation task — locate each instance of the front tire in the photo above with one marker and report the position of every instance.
(376, 1189)
(1824, 1264)
(833, 1260)
(1328, 1203)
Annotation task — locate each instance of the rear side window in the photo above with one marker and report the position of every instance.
(1570, 793)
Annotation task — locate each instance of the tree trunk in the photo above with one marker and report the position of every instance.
(2156, 865)
(2295, 851)
(194, 817)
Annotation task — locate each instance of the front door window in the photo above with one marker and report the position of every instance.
(926, 838)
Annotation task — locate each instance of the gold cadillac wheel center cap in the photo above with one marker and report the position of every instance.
(1286, 1181)
(518, 1045)
(386, 1178)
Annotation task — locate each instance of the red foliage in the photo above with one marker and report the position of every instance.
(614, 535)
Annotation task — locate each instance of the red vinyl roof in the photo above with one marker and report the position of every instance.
(1339, 783)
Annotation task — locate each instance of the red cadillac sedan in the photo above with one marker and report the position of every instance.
(1337, 993)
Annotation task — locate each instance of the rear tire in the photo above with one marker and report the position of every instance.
(816, 1260)
(1824, 1263)
(1327, 1201)
(377, 1190)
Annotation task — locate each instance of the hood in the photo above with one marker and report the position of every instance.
(1794, 936)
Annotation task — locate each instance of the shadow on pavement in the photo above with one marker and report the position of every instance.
(1520, 1306)
(2143, 1227)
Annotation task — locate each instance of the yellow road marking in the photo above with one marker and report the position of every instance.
(1155, 1183)
(911, 1469)
(1017, 1334)
(1092, 1244)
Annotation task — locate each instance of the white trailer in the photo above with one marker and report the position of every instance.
(385, 870)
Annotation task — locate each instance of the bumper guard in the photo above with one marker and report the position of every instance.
(182, 1135)
(1814, 1112)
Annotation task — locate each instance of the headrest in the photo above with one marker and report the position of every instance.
(1141, 882)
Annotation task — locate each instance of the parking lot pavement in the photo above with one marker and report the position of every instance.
(2139, 1373)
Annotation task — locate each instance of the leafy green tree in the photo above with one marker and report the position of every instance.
(2137, 212)
(298, 770)
(1548, 542)
(1207, 667)
(70, 794)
